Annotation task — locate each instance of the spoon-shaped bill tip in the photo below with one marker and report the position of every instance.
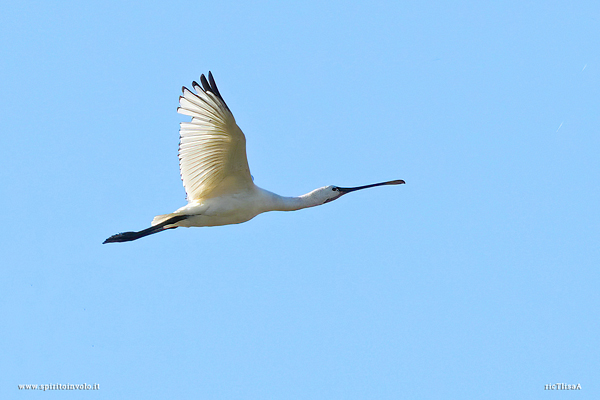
(396, 182)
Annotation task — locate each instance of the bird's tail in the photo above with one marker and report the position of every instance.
(162, 218)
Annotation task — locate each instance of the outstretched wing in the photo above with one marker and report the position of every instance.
(212, 148)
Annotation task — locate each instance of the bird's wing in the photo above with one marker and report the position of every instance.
(212, 148)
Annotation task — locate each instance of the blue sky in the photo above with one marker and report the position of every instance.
(477, 279)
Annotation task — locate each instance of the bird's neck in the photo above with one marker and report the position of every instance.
(283, 203)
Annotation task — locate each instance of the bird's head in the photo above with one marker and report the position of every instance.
(331, 192)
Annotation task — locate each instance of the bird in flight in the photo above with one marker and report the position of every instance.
(215, 173)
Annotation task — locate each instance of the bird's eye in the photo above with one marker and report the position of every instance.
(334, 189)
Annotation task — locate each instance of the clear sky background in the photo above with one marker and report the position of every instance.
(479, 278)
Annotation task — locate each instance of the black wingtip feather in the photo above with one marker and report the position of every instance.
(210, 86)
(205, 84)
(213, 85)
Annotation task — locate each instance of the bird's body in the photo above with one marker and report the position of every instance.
(215, 172)
(235, 208)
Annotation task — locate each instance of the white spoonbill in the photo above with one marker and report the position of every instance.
(215, 172)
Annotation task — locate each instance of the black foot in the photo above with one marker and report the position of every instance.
(122, 237)
(129, 236)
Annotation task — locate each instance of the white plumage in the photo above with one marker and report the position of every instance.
(215, 173)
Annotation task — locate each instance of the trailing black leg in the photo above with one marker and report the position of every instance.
(129, 236)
